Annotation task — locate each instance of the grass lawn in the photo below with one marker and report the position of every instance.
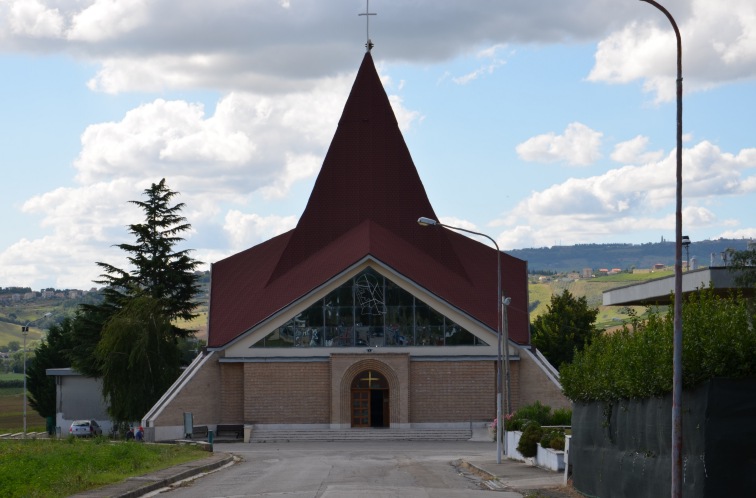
(12, 409)
(62, 467)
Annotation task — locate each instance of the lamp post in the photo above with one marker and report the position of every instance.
(686, 245)
(25, 332)
(423, 221)
(677, 343)
(505, 324)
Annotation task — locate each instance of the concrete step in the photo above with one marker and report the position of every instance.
(289, 435)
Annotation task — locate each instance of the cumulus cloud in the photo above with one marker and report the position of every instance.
(631, 198)
(262, 46)
(633, 151)
(719, 41)
(578, 146)
(107, 19)
(245, 229)
(33, 19)
(252, 149)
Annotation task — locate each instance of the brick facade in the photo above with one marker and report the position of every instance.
(200, 397)
(287, 393)
(448, 391)
(535, 386)
(421, 390)
(232, 393)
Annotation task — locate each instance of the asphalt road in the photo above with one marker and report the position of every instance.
(343, 469)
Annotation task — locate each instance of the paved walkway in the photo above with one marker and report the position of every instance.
(509, 477)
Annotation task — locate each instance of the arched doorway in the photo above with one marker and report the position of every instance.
(370, 400)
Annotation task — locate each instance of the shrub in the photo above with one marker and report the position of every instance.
(557, 443)
(720, 341)
(538, 413)
(531, 435)
(561, 416)
(553, 438)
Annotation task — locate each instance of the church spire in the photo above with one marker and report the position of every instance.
(367, 176)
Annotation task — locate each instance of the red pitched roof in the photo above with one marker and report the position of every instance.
(366, 201)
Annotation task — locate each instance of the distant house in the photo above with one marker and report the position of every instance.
(659, 266)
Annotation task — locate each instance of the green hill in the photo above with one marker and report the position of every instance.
(623, 256)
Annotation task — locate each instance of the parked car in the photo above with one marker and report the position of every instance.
(85, 428)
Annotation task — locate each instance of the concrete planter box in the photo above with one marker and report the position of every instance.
(512, 440)
(550, 459)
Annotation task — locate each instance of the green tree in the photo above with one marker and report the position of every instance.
(138, 356)
(567, 326)
(51, 353)
(158, 271)
(743, 263)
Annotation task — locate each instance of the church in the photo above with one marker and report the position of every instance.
(360, 317)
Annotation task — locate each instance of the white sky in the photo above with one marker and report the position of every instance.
(538, 122)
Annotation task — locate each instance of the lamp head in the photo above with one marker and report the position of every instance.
(426, 222)
(685, 240)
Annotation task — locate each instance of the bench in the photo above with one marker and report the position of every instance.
(199, 432)
(235, 431)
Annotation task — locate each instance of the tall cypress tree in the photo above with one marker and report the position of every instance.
(128, 339)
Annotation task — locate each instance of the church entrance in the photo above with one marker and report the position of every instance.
(370, 400)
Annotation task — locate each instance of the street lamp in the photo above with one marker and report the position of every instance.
(423, 221)
(677, 328)
(505, 323)
(686, 245)
(25, 332)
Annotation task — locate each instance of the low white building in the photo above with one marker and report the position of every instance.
(78, 397)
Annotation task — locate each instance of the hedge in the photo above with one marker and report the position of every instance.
(719, 340)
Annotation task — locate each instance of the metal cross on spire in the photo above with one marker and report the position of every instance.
(367, 15)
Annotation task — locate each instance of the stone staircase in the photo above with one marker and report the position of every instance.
(321, 435)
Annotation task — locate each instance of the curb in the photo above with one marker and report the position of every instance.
(477, 470)
(141, 485)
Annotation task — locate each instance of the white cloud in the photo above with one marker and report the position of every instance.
(33, 19)
(719, 45)
(105, 19)
(631, 199)
(246, 230)
(578, 146)
(252, 149)
(634, 151)
(488, 68)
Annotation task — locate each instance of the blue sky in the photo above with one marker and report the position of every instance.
(539, 123)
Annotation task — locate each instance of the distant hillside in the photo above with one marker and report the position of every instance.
(622, 256)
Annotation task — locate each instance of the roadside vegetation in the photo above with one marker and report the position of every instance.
(636, 362)
(62, 467)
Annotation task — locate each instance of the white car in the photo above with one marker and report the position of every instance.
(85, 428)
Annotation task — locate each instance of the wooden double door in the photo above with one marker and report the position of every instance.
(370, 400)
